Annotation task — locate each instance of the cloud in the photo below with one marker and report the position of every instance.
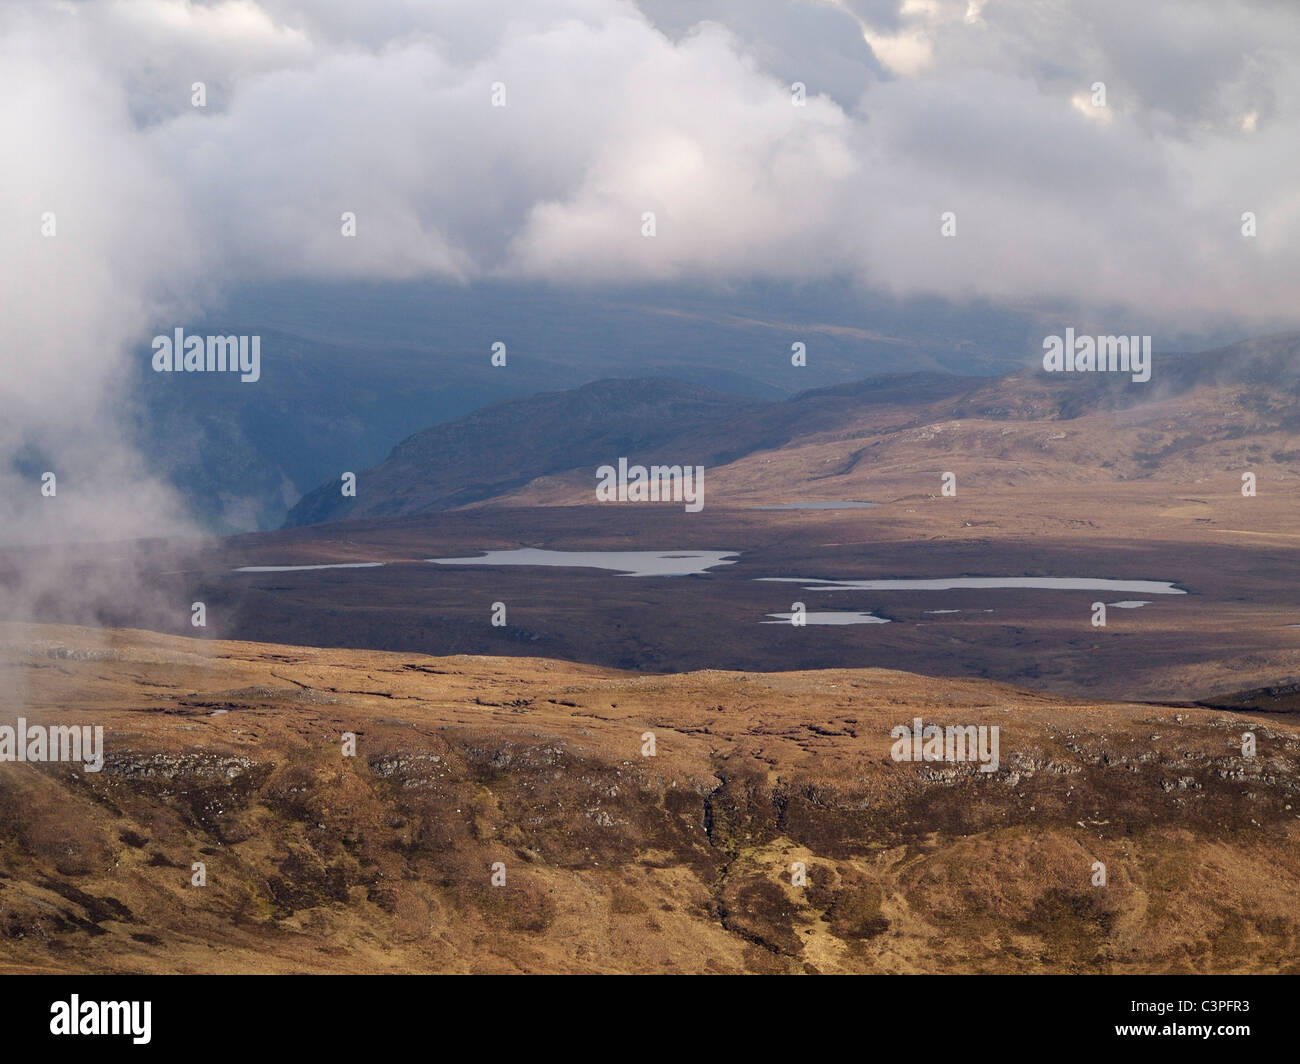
(97, 240)
(614, 109)
(685, 110)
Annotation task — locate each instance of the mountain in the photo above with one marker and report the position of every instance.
(772, 829)
(242, 453)
(349, 370)
(1232, 408)
(506, 445)
(1094, 476)
(458, 463)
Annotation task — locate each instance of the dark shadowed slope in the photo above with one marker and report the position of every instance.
(504, 446)
(1248, 388)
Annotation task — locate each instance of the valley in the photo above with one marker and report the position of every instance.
(387, 711)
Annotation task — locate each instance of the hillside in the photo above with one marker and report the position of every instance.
(506, 445)
(1233, 410)
(230, 754)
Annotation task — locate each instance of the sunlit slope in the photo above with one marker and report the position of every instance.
(232, 755)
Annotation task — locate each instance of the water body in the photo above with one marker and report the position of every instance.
(819, 506)
(628, 563)
(304, 568)
(1008, 583)
(956, 611)
(1129, 604)
(831, 617)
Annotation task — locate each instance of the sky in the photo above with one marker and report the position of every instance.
(1098, 153)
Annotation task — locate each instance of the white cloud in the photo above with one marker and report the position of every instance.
(316, 108)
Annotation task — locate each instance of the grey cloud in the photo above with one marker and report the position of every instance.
(811, 41)
(383, 109)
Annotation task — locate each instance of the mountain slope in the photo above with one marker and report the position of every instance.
(504, 446)
(616, 861)
(1233, 409)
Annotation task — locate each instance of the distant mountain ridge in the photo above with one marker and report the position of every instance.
(508, 444)
(501, 448)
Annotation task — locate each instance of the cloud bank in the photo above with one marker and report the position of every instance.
(612, 109)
